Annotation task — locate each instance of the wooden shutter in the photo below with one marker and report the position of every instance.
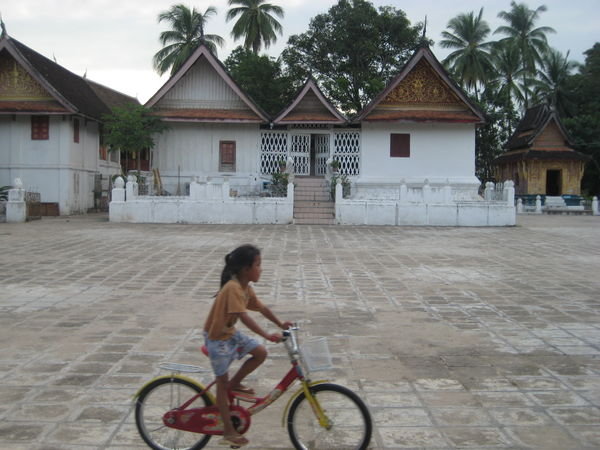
(40, 128)
(227, 156)
(400, 145)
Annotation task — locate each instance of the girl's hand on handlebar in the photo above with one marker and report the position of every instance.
(275, 337)
(287, 324)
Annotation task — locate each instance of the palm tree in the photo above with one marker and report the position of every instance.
(508, 70)
(184, 37)
(530, 41)
(470, 60)
(256, 23)
(550, 85)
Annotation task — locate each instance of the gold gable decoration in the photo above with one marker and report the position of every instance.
(17, 84)
(421, 86)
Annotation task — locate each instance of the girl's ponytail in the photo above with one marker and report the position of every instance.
(235, 261)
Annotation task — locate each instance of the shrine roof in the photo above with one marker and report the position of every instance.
(208, 115)
(533, 123)
(423, 86)
(522, 155)
(76, 94)
(310, 106)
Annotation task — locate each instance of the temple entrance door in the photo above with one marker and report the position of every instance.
(553, 183)
(300, 152)
(319, 154)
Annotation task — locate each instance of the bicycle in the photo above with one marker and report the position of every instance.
(320, 414)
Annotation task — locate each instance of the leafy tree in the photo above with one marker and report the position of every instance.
(531, 42)
(470, 60)
(352, 51)
(261, 77)
(256, 23)
(186, 33)
(131, 129)
(584, 125)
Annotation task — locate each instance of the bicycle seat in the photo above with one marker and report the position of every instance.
(204, 350)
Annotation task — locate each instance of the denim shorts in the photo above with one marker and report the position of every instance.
(222, 353)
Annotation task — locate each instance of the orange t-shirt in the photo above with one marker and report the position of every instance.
(232, 298)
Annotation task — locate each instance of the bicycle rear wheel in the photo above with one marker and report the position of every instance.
(154, 401)
(350, 419)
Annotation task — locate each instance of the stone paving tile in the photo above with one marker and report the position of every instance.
(455, 337)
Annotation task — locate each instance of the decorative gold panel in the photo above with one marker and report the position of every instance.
(16, 83)
(421, 85)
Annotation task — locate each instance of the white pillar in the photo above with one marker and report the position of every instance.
(16, 208)
(339, 190)
(595, 206)
(403, 191)
(290, 192)
(508, 192)
(131, 188)
(447, 193)
(488, 194)
(426, 191)
(118, 192)
(538, 204)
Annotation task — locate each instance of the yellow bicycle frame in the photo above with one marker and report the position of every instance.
(313, 402)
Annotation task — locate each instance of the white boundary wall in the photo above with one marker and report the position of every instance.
(208, 202)
(428, 208)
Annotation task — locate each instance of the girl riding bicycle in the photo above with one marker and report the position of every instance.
(225, 343)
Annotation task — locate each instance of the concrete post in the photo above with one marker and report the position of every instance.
(339, 191)
(197, 190)
(403, 191)
(131, 188)
(508, 193)
(290, 192)
(519, 206)
(488, 194)
(426, 191)
(538, 204)
(595, 206)
(118, 192)
(447, 193)
(16, 208)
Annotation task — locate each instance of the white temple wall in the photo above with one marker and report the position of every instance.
(439, 153)
(192, 150)
(61, 170)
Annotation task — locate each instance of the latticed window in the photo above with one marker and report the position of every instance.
(273, 148)
(346, 150)
(40, 128)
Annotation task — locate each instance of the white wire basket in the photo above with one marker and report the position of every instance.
(315, 352)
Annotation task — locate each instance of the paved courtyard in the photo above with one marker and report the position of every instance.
(455, 337)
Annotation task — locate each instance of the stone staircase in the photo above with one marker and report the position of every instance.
(312, 202)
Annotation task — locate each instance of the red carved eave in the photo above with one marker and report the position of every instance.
(310, 117)
(33, 107)
(423, 116)
(208, 115)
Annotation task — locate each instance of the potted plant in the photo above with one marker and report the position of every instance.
(335, 166)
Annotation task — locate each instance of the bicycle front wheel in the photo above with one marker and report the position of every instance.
(350, 420)
(156, 399)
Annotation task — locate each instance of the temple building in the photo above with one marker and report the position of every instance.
(540, 158)
(51, 130)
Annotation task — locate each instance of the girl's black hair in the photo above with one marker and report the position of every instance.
(235, 261)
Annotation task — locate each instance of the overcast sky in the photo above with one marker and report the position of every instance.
(114, 40)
